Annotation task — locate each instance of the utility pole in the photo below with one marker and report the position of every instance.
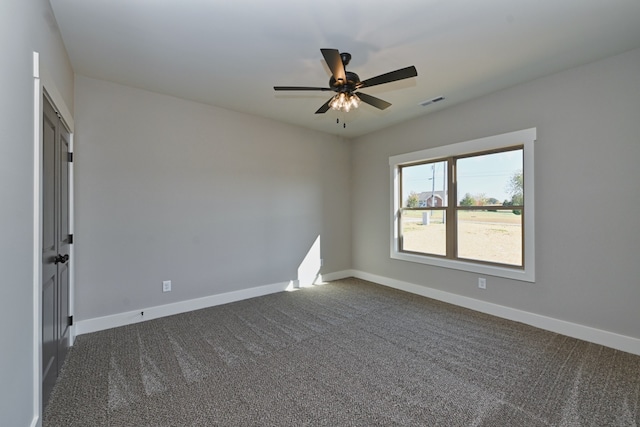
(433, 186)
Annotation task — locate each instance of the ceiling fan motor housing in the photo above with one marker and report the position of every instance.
(348, 87)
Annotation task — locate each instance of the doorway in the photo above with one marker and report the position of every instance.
(56, 242)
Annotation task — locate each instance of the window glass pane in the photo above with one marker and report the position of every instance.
(490, 179)
(424, 185)
(424, 231)
(490, 236)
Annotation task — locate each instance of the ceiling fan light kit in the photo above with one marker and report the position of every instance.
(344, 102)
(346, 83)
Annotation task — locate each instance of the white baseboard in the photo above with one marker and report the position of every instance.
(586, 333)
(336, 275)
(130, 317)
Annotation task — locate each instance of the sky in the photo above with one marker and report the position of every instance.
(488, 174)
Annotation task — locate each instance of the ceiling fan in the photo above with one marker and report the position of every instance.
(346, 83)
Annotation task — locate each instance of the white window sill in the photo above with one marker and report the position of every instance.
(489, 270)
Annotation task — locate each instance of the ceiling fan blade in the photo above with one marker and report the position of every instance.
(372, 100)
(401, 74)
(324, 108)
(300, 88)
(334, 61)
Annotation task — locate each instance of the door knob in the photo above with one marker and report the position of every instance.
(61, 258)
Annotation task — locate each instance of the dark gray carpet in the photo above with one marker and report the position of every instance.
(349, 353)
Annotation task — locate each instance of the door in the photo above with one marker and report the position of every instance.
(55, 247)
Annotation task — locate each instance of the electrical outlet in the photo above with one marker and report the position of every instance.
(482, 283)
(166, 286)
(321, 262)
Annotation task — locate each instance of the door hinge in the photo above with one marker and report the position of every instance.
(70, 157)
(70, 239)
(70, 321)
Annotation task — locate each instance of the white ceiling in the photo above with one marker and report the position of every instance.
(231, 53)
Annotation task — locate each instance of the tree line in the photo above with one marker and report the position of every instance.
(515, 188)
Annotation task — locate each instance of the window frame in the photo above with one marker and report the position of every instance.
(524, 138)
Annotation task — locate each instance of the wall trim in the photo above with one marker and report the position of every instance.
(37, 241)
(122, 319)
(336, 275)
(574, 330)
(130, 317)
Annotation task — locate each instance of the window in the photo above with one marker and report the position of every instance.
(467, 206)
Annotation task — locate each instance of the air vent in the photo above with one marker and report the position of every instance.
(432, 101)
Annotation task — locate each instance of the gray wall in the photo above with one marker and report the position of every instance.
(587, 193)
(25, 26)
(214, 200)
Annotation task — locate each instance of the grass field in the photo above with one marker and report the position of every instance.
(482, 235)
